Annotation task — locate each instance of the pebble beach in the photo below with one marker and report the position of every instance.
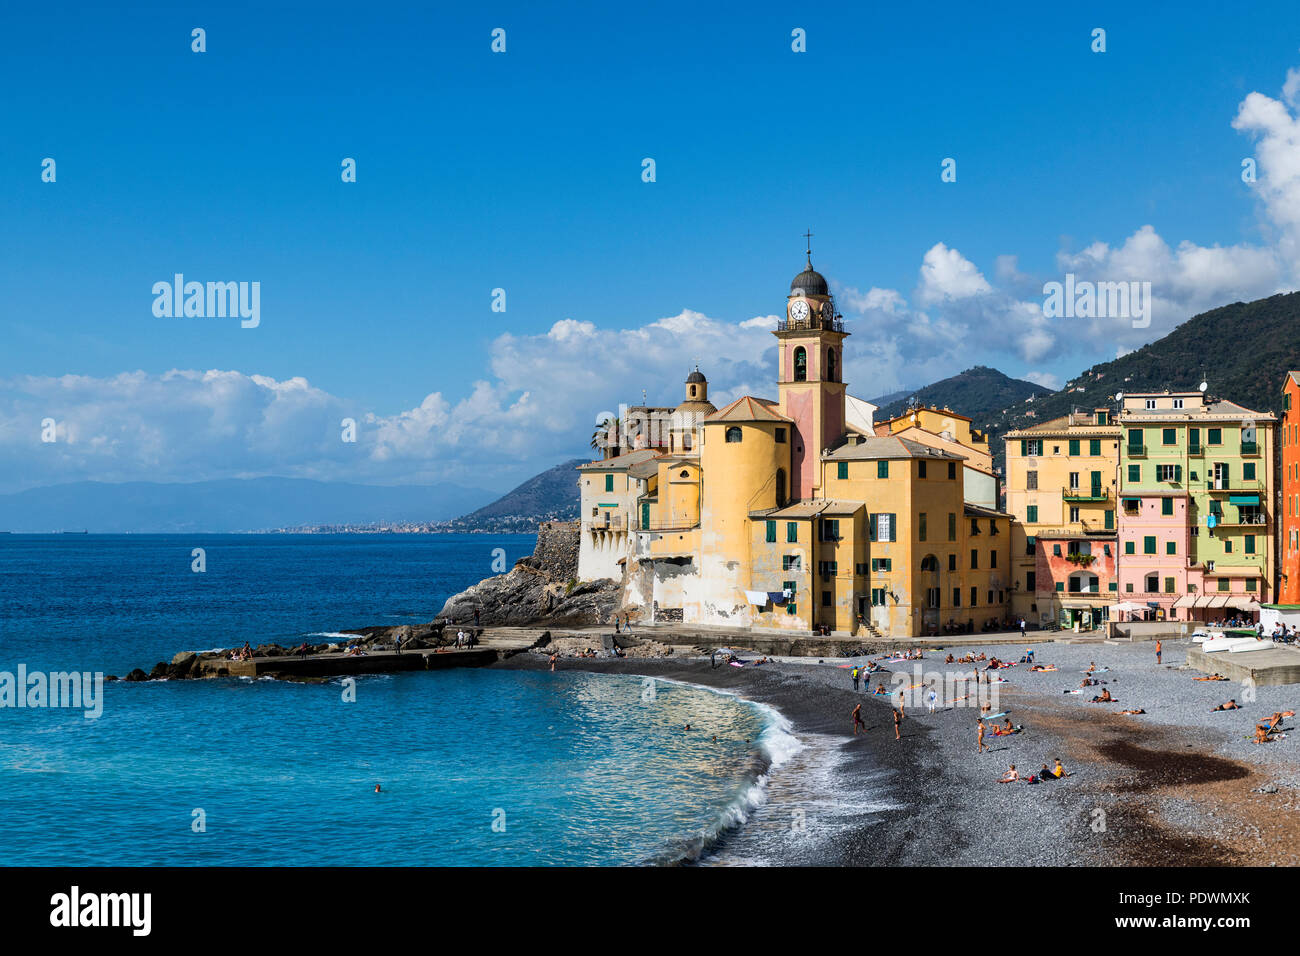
(1180, 785)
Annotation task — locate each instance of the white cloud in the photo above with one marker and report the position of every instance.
(1045, 379)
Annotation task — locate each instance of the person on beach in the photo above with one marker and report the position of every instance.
(397, 645)
(1104, 697)
(1137, 710)
(1230, 705)
(880, 690)
(1010, 776)
(898, 721)
(980, 737)
(1058, 771)
(1022, 628)
(1045, 774)
(857, 720)
(854, 674)
(554, 658)
(932, 698)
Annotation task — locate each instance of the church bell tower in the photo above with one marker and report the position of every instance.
(810, 375)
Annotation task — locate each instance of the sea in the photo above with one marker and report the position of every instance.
(475, 767)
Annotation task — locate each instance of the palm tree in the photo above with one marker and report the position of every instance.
(600, 438)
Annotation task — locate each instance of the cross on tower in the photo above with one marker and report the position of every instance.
(808, 240)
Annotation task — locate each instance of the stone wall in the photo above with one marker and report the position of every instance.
(556, 553)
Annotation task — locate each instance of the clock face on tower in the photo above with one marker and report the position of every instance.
(798, 310)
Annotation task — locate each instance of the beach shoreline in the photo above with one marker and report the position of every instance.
(1175, 787)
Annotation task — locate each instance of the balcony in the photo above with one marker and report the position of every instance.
(811, 324)
(1085, 494)
(607, 523)
(1250, 448)
(1243, 521)
(1135, 451)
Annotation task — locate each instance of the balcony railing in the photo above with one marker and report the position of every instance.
(1135, 451)
(1243, 520)
(810, 324)
(608, 523)
(1250, 448)
(1085, 494)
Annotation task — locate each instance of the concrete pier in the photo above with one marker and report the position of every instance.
(1277, 665)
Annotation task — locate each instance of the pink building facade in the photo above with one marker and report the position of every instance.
(1153, 553)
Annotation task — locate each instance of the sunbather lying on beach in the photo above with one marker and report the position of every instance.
(1043, 667)
(1211, 677)
(1104, 697)
(1275, 721)
(1137, 711)
(1230, 705)
(1010, 776)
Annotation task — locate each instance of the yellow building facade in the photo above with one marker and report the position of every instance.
(780, 515)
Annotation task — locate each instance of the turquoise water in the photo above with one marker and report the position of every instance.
(477, 767)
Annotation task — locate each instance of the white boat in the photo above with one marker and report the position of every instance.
(1252, 645)
(1221, 643)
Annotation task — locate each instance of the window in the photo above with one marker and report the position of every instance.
(956, 597)
(830, 529)
(974, 559)
(1060, 585)
(771, 532)
(1151, 403)
(1251, 584)
(780, 436)
(920, 469)
(1056, 550)
(827, 599)
(780, 487)
(828, 568)
(842, 470)
(1194, 440)
(1166, 506)
(1128, 588)
(993, 559)
(1074, 446)
(1171, 547)
(1169, 436)
(860, 569)
(830, 366)
(1102, 416)
(1227, 546)
(882, 565)
(1031, 481)
(1223, 584)
(792, 531)
(1030, 580)
(952, 470)
(1030, 543)
(1074, 513)
(1153, 583)
(733, 434)
(791, 562)
(1216, 436)
(801, 364)
(1110, 519)
(1169, 585)
(921, 526)
(1094, 447)
(883, 527)
(952, 562)
(877, 597)
(1149, 544)
(1031, 448)
(609, 482)
(1135, 473)
(1130, 547)
(1178, 403)
(974, 526)
(882, 468)
(1135, 440)
(952, 526)
(1248, 471)
(1250, 543)
(1169, 472)
(1074, 481)
(974, 597)
(1031, 514)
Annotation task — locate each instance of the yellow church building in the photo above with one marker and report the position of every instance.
(798, 515)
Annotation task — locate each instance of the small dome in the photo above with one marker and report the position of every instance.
(809, 282)
(696, 378)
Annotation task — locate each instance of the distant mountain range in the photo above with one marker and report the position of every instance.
(549, 496)
(229, 505)
(977, 393)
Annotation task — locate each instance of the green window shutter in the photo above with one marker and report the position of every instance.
(645, 515)
(1166, 506)
(1114, 586)
(1250, 544)
(882, 468)
(1135, 473)
(771, 531)
(1149, 544)
(1024, 448)
(1178, 473)
(1248, 471)
(1216, 436)
(872, 533)
(893, 526)
(1130, 547)
(1171, 547)
(1170, 436)
(1060, 585)
(609, 482)
(1110, 520)
(792, 531)
(1074, 446)
(1094, 446)
(843, 470)
(1227, 473)
(1031, 514)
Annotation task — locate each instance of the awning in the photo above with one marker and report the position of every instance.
(1219, 600)
(1187, 600)
(1242, 603)
(1132, 501)
(1203, 601)
(1243, 500)
(1128, 607)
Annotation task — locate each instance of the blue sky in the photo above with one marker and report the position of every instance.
(523, 171)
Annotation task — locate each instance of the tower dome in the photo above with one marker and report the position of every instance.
(809, 282)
